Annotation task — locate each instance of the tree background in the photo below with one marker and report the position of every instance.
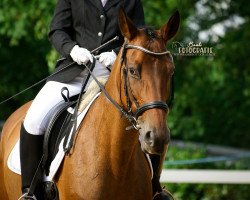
(212, 103)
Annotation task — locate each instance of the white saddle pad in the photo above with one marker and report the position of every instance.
(14, 157)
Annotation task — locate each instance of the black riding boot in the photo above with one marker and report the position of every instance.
(31, 147)
(158, 192)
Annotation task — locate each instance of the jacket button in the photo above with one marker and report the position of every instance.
(101, 16)
(100, 34)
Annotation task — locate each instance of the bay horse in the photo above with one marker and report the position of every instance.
(108, 162)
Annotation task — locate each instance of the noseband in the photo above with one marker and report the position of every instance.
(132, 117)
(147, 106)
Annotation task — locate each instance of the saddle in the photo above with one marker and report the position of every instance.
(56, 132)
(61, 123)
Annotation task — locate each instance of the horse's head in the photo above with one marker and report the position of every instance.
(147, 71)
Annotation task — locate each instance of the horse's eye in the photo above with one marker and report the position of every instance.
(134, 72)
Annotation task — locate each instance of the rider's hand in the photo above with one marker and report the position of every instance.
(81, 55)
(107, 58)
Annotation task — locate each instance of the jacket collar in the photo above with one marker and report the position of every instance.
(97, 4)
(110, 3)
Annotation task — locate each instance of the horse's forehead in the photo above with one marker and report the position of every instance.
(151, 39)
(163, 61)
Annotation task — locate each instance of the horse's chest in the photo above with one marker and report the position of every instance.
(99, 179)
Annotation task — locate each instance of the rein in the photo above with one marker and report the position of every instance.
(132, 117)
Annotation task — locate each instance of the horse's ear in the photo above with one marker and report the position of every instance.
(170, 29)
(127, 27)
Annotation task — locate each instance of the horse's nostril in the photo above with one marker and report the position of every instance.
(149, 138)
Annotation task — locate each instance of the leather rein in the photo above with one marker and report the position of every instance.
(132, 117)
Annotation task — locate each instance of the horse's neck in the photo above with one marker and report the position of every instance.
(115, 89)
(122, 143)
(106, 151)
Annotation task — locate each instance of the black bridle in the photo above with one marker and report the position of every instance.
(132, 117)
(147, 106)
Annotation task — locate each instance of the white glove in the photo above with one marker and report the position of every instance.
(81, 55)
(107, 58)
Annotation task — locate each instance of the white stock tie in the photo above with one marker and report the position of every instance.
(104, 2)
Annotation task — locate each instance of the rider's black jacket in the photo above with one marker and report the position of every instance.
(88, 24)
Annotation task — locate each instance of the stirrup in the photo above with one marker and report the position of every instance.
(25, 196)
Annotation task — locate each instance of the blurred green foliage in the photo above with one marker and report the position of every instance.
(24, 49)
(206, 191)
(212, 103)
(209, 191)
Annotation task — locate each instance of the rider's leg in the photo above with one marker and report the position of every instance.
(33, 128)
(30, 155)
(37, 117)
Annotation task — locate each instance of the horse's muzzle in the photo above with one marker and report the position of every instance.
(153, 140)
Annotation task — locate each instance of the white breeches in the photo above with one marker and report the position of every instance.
(41, 109)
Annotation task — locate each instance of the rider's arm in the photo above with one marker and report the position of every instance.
(61, 28)
(138, 14)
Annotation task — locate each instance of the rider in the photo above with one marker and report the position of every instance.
(76, 28)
